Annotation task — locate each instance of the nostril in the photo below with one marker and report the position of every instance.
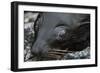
(39, 49)
(35, 51)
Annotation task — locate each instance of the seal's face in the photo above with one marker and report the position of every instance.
(61, 30)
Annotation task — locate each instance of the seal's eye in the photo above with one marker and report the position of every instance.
(60, 32)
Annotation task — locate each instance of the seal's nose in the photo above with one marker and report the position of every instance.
(39, 48)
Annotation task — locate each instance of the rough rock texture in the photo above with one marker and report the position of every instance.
(29, 19)
(84, 54)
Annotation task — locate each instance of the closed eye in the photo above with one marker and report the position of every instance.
(59, 25)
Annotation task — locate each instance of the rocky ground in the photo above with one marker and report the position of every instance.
(29, 19)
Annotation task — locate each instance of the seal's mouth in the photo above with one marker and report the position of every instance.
(52, 54)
